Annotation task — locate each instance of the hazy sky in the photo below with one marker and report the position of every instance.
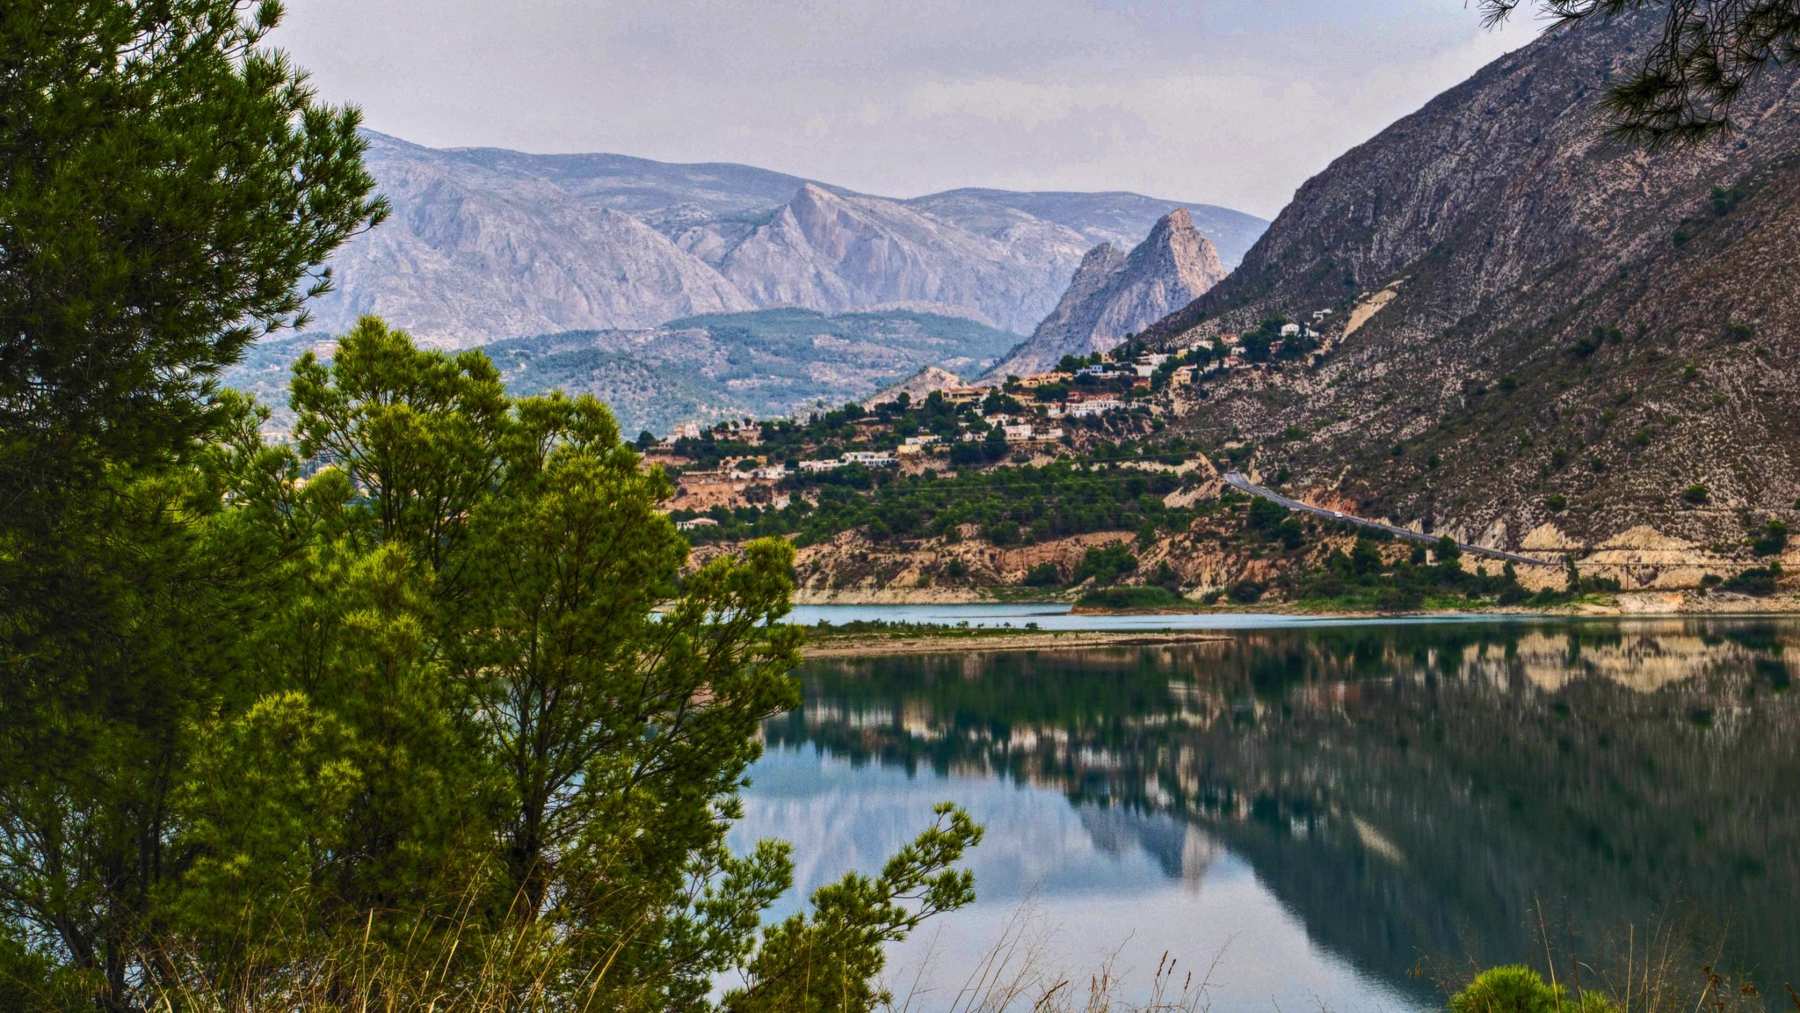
(1232, 102)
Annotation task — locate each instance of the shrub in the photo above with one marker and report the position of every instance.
(1519, 989)
(1446, 550)
(1759, 582)
(1696, 494)
(1105, 565)
(1245, 592)
(1399, 599)
(1165, 577)
(1043, 575)
(1771, 539)
(1556, 503)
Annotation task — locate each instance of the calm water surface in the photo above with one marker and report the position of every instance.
(1326, 813)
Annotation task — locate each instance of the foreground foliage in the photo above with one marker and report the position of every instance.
(423, 709)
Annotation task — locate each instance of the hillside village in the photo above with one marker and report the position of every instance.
(1066, 413)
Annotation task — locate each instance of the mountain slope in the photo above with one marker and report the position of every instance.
(1114, 294)
(763, 364)
(1533, 322)
(839, 252)
(486, 243)
(472, 252)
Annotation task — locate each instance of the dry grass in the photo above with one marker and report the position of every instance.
(1015, 972)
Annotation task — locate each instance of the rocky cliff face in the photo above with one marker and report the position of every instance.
(840, 252)
(1114, 294)
(1533, 322)
(470, 253)
(487, 244)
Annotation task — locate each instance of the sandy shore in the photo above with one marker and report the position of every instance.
(984, 641)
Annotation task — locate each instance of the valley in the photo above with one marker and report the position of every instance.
(1400, 360)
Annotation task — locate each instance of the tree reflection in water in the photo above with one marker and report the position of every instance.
(1435, 794)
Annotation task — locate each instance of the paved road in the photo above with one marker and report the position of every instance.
(1238, 481)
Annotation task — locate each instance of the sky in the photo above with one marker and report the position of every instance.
(1230, 102)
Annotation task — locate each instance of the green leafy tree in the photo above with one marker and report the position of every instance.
(519, 720)
(170, 191)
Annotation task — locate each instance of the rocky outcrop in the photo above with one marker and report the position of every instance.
(1547, 321)
(486, 244)
(918, 386)
(1114, 294)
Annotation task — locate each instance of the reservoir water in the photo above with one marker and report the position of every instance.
(1344, 815)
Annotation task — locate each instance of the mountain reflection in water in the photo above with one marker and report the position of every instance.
(1336, 809)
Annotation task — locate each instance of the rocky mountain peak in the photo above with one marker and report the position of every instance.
(1113, 294)
(1097, 265)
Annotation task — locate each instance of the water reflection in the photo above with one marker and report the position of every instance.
(1350, 803)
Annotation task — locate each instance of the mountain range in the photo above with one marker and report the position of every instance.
(1536, 332)
(704, 368)
(485, 243)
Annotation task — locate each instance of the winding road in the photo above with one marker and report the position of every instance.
(1237, 480)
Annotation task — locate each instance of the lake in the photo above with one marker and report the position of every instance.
(1336, 814)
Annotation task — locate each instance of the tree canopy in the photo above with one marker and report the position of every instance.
(428, 707)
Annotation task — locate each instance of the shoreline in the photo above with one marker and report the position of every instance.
(1672, 604)
(996, 639)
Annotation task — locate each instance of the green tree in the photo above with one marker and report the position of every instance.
(519, 721)
(170, 191)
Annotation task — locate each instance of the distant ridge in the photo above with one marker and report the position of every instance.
(487, 243)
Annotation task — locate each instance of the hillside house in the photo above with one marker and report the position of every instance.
(870, 458)
(1094, 406)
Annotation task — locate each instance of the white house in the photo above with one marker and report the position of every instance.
(1097, 406)
(815, 467)
(696, 522)
(1290, 330)
(924, 440)
(687, 431)
(869, 458)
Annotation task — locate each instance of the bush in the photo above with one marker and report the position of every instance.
(1399, 599)
(1245, 592)
(1519, 989)
(1758, 583)
(1696, 494)
(1105, 565)
(1446, 550)
(1771, 539)
(1556, 503)
(1043, 575)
